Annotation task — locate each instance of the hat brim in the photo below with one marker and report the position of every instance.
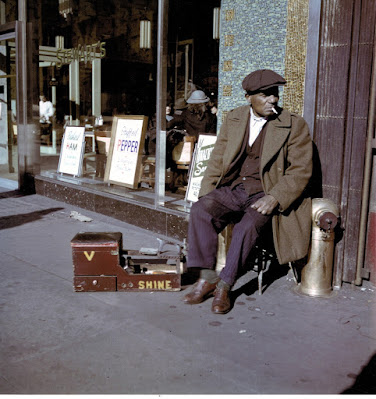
(265, 88)
(198, 101)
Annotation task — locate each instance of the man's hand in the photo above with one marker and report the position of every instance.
(265, 205)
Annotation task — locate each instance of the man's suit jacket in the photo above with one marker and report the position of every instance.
(285, 170)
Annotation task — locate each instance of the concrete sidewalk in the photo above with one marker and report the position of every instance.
(57, 341)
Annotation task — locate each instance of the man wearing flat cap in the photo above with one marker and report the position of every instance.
(257, 174)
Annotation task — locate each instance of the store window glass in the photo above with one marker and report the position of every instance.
(98, 63)
(192, 86)
(8, 94)
(8, 111)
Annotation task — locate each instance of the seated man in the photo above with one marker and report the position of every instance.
(259, 170)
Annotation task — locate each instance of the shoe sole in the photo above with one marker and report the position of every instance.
(217, 312)
(207, 296)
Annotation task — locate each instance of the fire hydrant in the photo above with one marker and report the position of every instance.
(316, 277)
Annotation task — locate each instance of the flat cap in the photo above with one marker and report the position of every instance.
(262, 79)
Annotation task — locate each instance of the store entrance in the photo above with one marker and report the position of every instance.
(8, 104)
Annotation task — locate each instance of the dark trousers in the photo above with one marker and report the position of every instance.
(210, 215)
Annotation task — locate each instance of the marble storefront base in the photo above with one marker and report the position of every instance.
(160, 221)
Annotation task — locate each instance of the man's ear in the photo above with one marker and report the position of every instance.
(248, 98)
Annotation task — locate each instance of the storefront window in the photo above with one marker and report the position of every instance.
(98, 64)
(8, 105)
(8, 111)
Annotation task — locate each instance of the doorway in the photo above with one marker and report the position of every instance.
(8, 108)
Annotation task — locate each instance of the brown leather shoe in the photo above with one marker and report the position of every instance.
(221, 302)
(202, 290)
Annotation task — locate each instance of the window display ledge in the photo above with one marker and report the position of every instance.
(159, 221)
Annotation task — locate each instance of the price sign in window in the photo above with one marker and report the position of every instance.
(126, 146)
(72, 151)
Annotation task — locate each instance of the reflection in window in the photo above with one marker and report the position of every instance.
(106, 65)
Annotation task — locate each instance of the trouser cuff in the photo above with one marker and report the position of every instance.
(209, 275)
(222, 284)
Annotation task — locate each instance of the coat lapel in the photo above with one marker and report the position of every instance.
(277, 131)
(236, 136)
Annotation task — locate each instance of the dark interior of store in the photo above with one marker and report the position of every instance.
(129, 73)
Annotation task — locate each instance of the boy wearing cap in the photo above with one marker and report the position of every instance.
(258, 172)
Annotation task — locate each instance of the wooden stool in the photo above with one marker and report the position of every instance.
(102, 147)
(182, 156)
(147, 171)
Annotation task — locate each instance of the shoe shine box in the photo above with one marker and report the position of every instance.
(100, 264)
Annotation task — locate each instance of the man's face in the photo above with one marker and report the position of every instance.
(263, 101)
(42, 98)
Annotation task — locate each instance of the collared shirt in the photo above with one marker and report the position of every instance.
(46, 109)
(255, 127)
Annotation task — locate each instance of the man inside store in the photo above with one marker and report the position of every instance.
(257, 175)
(46, 112)
(46, 109)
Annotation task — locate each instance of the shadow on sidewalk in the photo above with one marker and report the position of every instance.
(275, 272)
(12, 194)
(7, 222)
(365, 382)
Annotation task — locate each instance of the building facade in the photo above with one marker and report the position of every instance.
(101, 63)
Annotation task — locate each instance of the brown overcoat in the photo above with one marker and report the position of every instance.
(285, 169)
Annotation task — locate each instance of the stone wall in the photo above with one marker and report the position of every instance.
(296, 53)
(261, 34)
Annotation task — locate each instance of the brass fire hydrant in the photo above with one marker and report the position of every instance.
(316, 277)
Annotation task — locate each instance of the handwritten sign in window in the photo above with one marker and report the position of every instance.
(126, 146)
(204, 148)
(72, 150)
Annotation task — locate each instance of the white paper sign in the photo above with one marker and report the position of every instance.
(72, 149)
(125, 150)
(204, 148)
